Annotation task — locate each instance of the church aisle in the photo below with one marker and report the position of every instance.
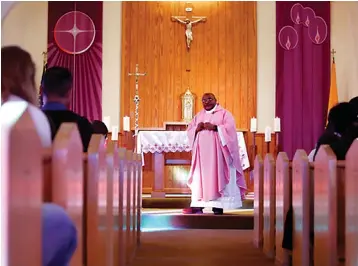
(199, 248)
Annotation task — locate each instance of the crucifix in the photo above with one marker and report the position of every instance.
(188, 26)
(188, 21)
(136, 98)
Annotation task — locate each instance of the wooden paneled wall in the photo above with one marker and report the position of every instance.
(222, 59)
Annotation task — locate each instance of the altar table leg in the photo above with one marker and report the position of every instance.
(158, 188)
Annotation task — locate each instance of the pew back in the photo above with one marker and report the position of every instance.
(130, 208)
(351, 201)
(283, 203)
(97, 218)
(302, 196)
(122, 211)
(325, 207)
(269, 206)
(67, 179)
(139, 197)
(21, 187)
(258, 201)
(114, 206)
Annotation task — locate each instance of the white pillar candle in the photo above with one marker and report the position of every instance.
(267, 134)
(107, 121)
(253, 124)
(126, 123)
(114, 133)
(277, 124)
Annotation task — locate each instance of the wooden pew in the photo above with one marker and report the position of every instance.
(114, 170)
(98, 212)
(122, 211)
(258, 201)
(324, 208)
(329, 208)
(351, 228)
(129, 176)
(21, 187)
(138, 165)
(106, 196)
(269, 206)
(302, 204)
(283, 203)
(67, 180)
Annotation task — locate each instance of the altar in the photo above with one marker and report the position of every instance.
(166, 156)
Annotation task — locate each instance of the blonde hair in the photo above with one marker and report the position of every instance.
(17, 74)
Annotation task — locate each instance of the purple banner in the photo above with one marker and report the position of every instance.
(302, 72)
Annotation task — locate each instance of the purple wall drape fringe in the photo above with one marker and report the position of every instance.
(75, 42)
(302, 72)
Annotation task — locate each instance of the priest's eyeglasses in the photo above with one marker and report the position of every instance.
(207, 100)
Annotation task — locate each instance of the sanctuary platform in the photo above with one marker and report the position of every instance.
(162, 214)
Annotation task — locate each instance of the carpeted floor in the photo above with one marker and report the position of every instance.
(199, 248)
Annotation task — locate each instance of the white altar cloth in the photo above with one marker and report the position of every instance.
(177, 141)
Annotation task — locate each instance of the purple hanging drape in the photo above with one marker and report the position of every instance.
(302, 72)
(75, 42)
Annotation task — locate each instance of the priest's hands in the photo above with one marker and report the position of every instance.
(206, 126)
(209, 126)
(200, 127)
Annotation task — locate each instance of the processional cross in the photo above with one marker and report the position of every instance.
(136, 98)
(333, 52)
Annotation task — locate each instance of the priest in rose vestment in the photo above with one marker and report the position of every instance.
(216, 177)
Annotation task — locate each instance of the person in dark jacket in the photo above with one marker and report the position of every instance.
(354, 103)
(57, 86)
(341, 147)
(340, 118)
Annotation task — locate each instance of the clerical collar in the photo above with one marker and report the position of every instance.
(212, 110)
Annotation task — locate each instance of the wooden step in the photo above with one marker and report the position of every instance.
(172, 202)
(170, 219)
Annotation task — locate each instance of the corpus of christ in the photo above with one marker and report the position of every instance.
(206, 132)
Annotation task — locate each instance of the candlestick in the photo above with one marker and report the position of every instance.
(115, 133)
(267, 134)
(253, 124)
(126, 124)
(277, 124)
(107, 121)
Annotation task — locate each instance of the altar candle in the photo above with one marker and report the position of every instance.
(107, 121)
(126, 123)
(114, 133)
(277, 124)
(253, 124)
(267, 134)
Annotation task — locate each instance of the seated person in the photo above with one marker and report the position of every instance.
(354, 103)
(59, 234)
(100, 128)
(57, 86)
(340, 117)
(342, 146)
(340, 134)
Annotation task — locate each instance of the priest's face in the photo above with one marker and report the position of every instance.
(209, 101)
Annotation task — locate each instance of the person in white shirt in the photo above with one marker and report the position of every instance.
(59, 234)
